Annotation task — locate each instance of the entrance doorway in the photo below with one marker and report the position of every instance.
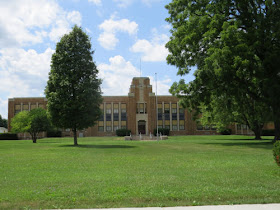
(142, 126)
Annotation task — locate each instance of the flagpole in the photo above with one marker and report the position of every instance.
(156, 106)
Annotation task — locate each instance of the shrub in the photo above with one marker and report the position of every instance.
(226, 131)
(163, 131)
(123, 132)
(54, 133)
(268, 132)
(8, 136)
(276, 152)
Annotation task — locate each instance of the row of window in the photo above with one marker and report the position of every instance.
(174, 125)
(206, 127)
(25, 107)
(109, 126)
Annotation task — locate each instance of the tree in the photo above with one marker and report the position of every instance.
(234, 44)
(3, 122)
(32, 122)
(73, 90)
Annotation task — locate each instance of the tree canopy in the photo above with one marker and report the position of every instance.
(32, 122)
(3, 122)
(234, 44)
(73, 89)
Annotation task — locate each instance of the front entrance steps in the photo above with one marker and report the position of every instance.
(145, 137)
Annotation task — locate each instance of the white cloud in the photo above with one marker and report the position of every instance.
(28, 22)
(74, 17)
(23, 74)
(111, 27)
(96, 2)
(153, 50)
(118, 74)
(30, 62)
(162, 85)
(149, 2)
(124, 3)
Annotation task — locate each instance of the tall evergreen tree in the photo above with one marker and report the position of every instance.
(73, 89)
(235, 45)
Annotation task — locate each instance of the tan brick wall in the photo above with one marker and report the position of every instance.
(140, 91)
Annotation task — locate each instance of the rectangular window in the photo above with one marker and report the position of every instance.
(123, 108)
(140, 108)
(166, 108)
(199, 127)
(160, 124)
(116, 117)
(17, 108)
(33, 106)
(116, 112)
(108, 117)
(25, 107)
(174, 125)
(181, 113)
(108, 109)
(108, 126)
(206, 127)
(159, 107)
(174, 108)
(123, 124)
(182, 125)
(100, 125)
(213, 127)
(116, 108)
(41, 106)
(101, 117)
(167, 116)
(116, 125)
(167, 124)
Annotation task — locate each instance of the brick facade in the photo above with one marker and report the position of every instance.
(136, 112)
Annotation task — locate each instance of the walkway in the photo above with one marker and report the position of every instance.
(221, 207)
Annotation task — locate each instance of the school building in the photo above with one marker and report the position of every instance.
(140, 111)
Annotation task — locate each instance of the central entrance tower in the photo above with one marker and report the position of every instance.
(142, 105)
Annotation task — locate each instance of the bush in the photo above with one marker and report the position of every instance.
(276, 152)
(54, 133)
(226, 131)
(268, 132)
(163, 131)
(123, 132)
(8, 136)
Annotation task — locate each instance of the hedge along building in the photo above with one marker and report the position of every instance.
(136, 112)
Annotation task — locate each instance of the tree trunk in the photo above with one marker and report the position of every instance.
(276, 115)
(277, 130)
(75, 136)
(34, 139)
(257, 129)
(257, 133)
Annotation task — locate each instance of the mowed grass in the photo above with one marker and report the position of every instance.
(111, 172)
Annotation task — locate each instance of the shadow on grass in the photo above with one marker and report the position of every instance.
(101, 146)
(261, 145)
(247, 139)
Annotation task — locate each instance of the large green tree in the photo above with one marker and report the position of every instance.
(73, 89)
(32, 122)
(3, 122)
(234, 44)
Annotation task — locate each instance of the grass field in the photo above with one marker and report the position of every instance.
(111, 172)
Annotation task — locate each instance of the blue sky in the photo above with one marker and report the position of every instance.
(123, 33)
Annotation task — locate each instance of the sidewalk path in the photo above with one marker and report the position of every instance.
(221, 207)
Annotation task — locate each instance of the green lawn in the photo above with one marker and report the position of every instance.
(111, 172)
